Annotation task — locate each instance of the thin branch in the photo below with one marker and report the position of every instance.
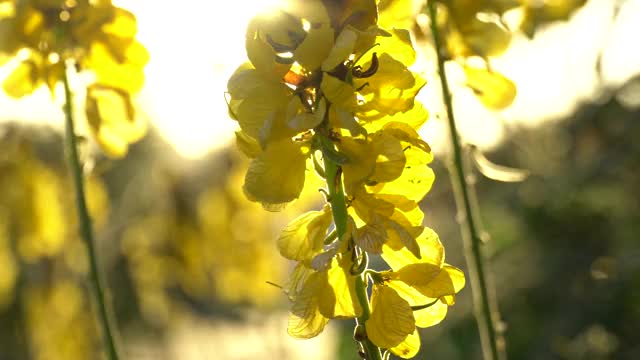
(339, 210)
(86, 229)
(485, 306)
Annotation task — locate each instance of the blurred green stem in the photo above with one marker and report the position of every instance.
(86, 230)
(485, 306)
(340, 216)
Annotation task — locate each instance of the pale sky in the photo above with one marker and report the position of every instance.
(196, 46)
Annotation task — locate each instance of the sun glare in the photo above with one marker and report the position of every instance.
(196, 45)
(195, 48)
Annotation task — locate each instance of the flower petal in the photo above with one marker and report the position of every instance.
(409, 347)
(305, 319)
(276, 176)
(391, 319)
(303, 237)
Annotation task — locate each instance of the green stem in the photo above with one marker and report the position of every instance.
(340, 216)
(86, 230)
(485, 306)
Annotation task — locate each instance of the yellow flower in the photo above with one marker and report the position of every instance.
(323, 77)
(100, 38)
(416, 292)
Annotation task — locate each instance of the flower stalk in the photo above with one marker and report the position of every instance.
(86, 229)
(485, 304)
(340, 216)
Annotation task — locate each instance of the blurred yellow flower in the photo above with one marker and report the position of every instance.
(99, 38)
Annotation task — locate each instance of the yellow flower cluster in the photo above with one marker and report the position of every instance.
(324, 78)
(41, 35)
(478, 28)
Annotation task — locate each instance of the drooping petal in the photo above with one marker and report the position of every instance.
(337, 298)
(23, 80)
(372, 236)
(248, 145)
(339, 93)
(112, 119)
(404, 234)
(397, 43)
(391, 319)
(391, 89)
(360, 164)
(494, 90)
(261, 54)
(261, 111)
(341, 50)
(303, 237)
(449, 281)
(432, 315)
(298, 277)
(305, 319)
(415, 117)
(390, 159)
(127, 76)
(315, 48)
(276, 176)
(409, 347)
(431, 251)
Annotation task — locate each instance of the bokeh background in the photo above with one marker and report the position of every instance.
(188, 259)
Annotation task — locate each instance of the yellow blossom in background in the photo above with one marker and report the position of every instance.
(41, 37)
(41, 256)
(484, 29)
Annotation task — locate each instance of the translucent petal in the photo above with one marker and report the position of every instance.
(262, 55)
(299, 119)
(23, 80)
(391, 89)
(315, 47)
(419, 274)
(313, 11)
(341, 50)
(305, 319)
(405, 235)
(390, 159)
(431, 251)
(416, 178)
(486, 38)
(449, 281)
(372, 236)
(276, 176)
(366, 205)
(248, 145)
(414, 117)
(432, 315)
(297, 279)
(397, 43)
(409, 347)
(337, 296)
(127, 76)
(360, 164)
(304, 237)
(495, 91)
(407, 292)
(338, 92)
(391, 319)
(426, 317)
(396, 13)
(262, 113)
(113, 120)
(123, 24)
(344, 119)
